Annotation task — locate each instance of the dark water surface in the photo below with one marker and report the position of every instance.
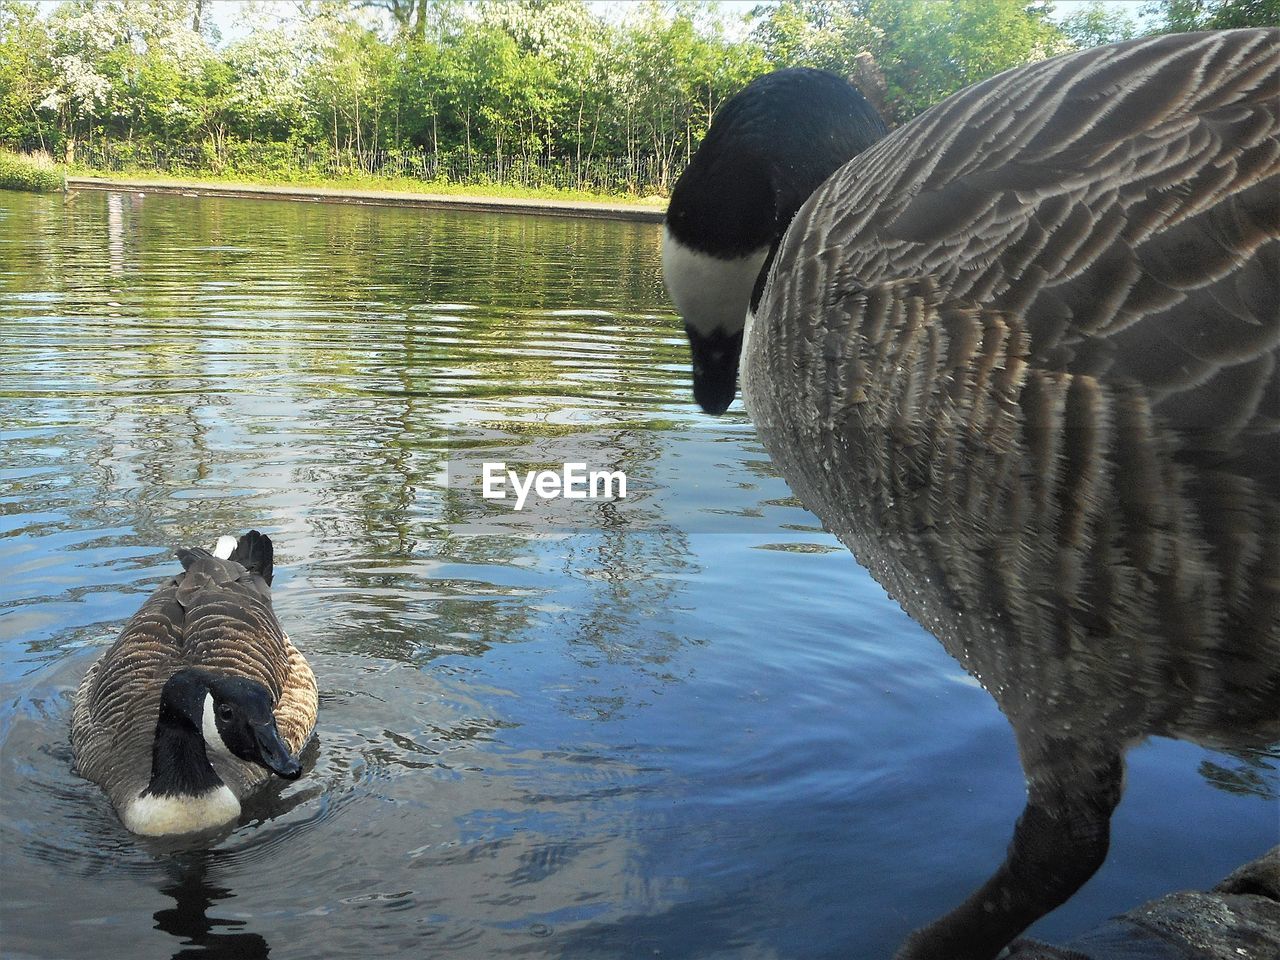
(681, 725)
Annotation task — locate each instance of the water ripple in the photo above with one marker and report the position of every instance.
(683, 724)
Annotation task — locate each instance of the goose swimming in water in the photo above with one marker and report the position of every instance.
(1020, 355)
(201, 698)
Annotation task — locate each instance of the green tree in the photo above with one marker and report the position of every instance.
(827, 34)
(675, 73)
(347, 78)
(907, 55)
(26, 75)
(538, 80)
(932, 50)
(421, 88)
(1097, 24)
(1182, 15)
(265, 91)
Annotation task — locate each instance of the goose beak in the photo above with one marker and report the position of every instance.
(274, 754)
(715, 368)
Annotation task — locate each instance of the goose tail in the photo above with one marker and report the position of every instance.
(253, 552)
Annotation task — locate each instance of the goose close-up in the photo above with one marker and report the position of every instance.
(201, 699)
(1020, 355)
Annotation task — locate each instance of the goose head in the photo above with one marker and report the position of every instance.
(238, 717)
(203, 712)
(769, 147)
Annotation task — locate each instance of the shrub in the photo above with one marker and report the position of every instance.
(29, 171)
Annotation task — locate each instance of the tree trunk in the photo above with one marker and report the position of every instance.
(420, 21)
(359, 138)
(578, 135)
(595, 132)
(466, 122)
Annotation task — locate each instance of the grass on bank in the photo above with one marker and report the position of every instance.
(34, 172)
(38, 172)
(356, 182)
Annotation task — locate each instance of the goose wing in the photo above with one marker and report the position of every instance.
(1021, 356)
(1022, 352)
(113, 722)
(1121, 207)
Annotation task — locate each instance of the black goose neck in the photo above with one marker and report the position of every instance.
(179, 762)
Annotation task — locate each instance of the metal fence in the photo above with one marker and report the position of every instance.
(641, 175)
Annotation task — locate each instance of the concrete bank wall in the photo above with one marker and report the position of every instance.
(382, 198)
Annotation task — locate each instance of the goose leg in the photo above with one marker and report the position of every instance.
(1059, 842)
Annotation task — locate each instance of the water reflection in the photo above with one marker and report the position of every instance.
(115, 232)
(682, 723)
(324, 398)
(194, 894)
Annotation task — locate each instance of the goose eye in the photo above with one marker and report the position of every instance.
(225, 712)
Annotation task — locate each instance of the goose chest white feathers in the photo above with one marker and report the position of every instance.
(1020, 355)
(200, 699)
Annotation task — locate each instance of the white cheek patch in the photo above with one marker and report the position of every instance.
(213, 741)
(711, 294)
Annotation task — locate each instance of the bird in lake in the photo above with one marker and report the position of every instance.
(1020, 355)
(201, 698)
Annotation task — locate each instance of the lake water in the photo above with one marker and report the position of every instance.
(685, 724)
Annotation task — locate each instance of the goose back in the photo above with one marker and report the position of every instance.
(1021, 355)
(216, 614)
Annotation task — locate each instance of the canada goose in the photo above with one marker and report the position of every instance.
(1020, 355)
(200, 698)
